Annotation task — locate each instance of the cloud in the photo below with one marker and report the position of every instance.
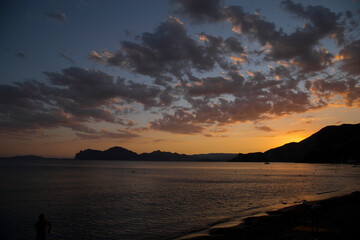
(169, 53)
(323, 20)
(216, 86)
(328, 90)
(92, 88)
(66, 57)
(201, 10)
(186, 91)
(72, 99)
(181, 122)
(299, 46)
(295, 131)
(259, 97)
(20, 55)
(120, 134)
(57, 15)
(350, 56)
(96, 57)
(264, 128)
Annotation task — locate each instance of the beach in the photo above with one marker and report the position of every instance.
(338, 218)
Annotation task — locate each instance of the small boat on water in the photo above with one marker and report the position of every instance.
(266, 163)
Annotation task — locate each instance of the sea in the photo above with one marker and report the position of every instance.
(154, 200)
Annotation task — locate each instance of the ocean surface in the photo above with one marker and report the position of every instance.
(153, 200)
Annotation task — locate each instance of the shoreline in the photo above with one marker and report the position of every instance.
(339, 219)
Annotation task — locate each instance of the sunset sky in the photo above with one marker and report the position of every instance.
(180, 76)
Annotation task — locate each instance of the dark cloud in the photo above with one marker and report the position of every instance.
(72, 99)
(208, 135)
(328, 89)
(257, 98)
(66, 57)
(295, 131)
(168, 50)
(20, 55)
(57, 15)
(350, 56)
(181, 122)
(252, 24)
(201, 10)
(170, 53)
(216, 86)
(233, 45)
(92, 88)
(299, 46)
(120, 134)
(185, 85)
(322, 19)
(264, 128)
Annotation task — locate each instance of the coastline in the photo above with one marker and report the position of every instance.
(339, 219)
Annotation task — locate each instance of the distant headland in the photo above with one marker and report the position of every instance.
(332, 144)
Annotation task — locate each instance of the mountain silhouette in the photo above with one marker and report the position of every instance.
(114, 153)
(332, 144)
(119, 153)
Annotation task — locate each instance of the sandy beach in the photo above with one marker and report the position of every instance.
(338, 217)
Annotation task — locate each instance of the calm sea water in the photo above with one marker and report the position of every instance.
(152, 200)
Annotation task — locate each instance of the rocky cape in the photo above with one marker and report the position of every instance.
(332, 144)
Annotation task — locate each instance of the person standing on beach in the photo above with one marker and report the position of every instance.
(41, 226)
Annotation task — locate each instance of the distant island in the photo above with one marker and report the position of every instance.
(332, 144)
(119, 153)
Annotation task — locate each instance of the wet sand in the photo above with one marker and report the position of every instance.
(339, 218)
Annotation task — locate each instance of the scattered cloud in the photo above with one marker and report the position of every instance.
(61, 54)
(20, 55)
(299, 46)
(264, 128)
(170, 53)
(295, 131)
(96, 57)
(201, 10)
(72, 99)
(57, 15)
(351, 58)
(181, 122)
(184, 88)
(106, 134)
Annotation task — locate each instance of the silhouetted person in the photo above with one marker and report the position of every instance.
(315, 211)
(41, 226)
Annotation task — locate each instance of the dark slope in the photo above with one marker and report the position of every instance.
(332, 144)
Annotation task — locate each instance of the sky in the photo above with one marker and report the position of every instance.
(186, 76)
